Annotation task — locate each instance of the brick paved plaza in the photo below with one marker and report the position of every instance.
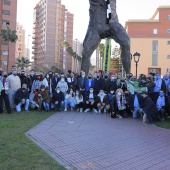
(91, 141)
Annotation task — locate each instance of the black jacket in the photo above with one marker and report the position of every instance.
(98, 85)
(57, 97)
(94, 95)
(19, 95)
(112, 84)
(149, 106)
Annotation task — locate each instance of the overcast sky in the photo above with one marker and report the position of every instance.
(126, 9)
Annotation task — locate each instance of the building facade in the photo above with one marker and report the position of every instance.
(78, 48)
(20, 44)
(151, 38)
(52, 25)
(8, 15)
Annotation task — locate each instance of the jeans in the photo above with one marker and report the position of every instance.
(67, 102)
(162, 113)
(46, 106)
(136, 112)
(58, 106)
(11, 96)
(18, 107)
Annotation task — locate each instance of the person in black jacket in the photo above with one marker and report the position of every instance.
(149, 108)
(98, 84)
(135, 104)
(22, 98)
(58, 99)
(23, 78)
(112, 83)
(91, 101)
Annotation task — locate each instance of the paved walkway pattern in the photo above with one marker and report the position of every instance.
(91, 141)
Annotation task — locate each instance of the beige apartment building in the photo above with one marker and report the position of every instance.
(78, 48)
(52, 25)
(20, 44)
(151, 38)
(8, 14)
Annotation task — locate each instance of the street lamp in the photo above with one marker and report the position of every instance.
(136, 60)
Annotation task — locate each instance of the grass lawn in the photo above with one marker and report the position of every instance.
(165, 124)
(17, 152)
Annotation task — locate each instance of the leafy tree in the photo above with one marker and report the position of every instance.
(8, 35)
(23, 62)
(56, 69)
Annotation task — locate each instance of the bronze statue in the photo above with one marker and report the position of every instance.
(99, 28)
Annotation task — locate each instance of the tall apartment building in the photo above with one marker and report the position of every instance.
(151, 38)
(20, 44)
(78, 48)
(8, 14)
(52, 25)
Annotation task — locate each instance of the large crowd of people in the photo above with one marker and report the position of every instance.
(100, 93)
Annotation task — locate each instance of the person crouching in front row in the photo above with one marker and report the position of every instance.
(79, 101)
(102, 97)
(44, 98)
(22, 98)
(91, 101)
(69, 100)
(34, 98)
(58, 100)
(110, 103)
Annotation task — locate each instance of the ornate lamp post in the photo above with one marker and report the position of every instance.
(136, 60)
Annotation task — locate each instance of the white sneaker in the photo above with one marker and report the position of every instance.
(119, 116)
(87, 110)
(65, 109)
(81, 109)
(105, 111)
(37, 105)
(95, 111)
(99, 111)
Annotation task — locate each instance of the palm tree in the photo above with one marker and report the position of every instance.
(23, 62)
(8, 36)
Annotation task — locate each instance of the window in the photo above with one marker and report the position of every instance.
(6, 2)
(4, 52)
(168, 17)
(4, 63)
(168, 56)
(155, 31)
(5, 12)
(5, 22)
(154, 53)
(168, 31)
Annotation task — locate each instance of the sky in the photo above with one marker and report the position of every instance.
(126, 9)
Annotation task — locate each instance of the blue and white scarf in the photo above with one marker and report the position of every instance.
(108, 11)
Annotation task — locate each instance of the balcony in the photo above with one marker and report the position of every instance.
(35, 36)
(34, 42)
(35, 31)
(34, 47)
(34, 52)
